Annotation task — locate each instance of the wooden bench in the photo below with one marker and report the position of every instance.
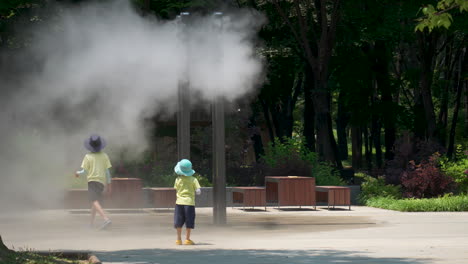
(249, 196)
(335, 195)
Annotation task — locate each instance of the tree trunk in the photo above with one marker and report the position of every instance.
(315, 33)
(451, 145)
(309, 112)
(383, 84)
(442, 120)
(356, 142)
(288, 111)
(326, 144)
(419, 120)
(269, 124)
(256, 136)
(4, 251)
(459, 85)
(465, 130)
(376, 138)
(427, 48)
(367, 148)
(342, 121)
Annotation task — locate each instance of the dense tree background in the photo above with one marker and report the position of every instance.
(350, 80)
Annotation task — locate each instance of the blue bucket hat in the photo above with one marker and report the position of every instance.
(184, 167)
(95, 143)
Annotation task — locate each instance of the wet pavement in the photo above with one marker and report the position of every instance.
(289, 235)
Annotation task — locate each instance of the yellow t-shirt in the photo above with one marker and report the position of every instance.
(96, 164)
(185, 187)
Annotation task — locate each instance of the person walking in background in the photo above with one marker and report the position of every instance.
(186, 187)
(96, 166)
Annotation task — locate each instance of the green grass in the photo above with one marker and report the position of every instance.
(27, 257)
(447, 203)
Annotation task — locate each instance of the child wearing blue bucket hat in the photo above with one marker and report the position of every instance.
(186, 187)
(96, 166)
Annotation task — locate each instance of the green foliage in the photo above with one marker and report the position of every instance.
(168, 9)
(9, 8)
(457, 168)
(445, 203)
(28, 257)
(324, 172)
(153, 172)
(375, 187)
(439, 16)
(291, 151)
(203, 180)
(281, 151)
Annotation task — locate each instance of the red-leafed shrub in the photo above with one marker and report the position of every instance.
(425, 179)
(406, 149)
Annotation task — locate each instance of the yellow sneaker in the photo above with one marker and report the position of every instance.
(189, 242)
(178, 242)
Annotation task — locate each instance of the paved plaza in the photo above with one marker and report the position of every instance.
(289, 235)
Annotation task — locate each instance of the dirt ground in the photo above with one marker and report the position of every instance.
(289, 235)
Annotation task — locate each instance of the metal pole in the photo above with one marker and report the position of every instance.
(183, 113)
(219, 152)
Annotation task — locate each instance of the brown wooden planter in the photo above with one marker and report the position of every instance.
(290, 190)
(76, 199)
(163, 197)
(126, 193)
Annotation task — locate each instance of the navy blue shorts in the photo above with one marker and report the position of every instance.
(95, 190)
(184, 214)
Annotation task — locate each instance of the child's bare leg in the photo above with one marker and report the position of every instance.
(93, 214)
(179, 233)
(187, 233)
(98, 208)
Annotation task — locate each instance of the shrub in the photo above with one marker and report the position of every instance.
(425, 179)
(167, 180)
(376, 187)
(290, 157)
(406, 149)
(204, 181)
(324, 173)
(457, 169)
(446, 203)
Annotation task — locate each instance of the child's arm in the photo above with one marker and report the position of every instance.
(197, 187)
(80, 172)
(108, 181)
(108, 176)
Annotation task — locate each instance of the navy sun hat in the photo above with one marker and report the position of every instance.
(95, 143)
(184, 167)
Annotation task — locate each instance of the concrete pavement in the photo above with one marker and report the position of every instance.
(362, 235)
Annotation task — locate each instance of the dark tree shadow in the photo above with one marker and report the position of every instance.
(336, 208)
(198, 255)
(251, 210)
(298, 209)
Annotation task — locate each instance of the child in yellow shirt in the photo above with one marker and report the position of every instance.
(186, 187)
(96, 166)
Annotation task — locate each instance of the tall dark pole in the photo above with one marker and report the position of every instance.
(183, 113)
(219, 152)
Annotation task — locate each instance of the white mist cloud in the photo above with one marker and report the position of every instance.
(102, 68)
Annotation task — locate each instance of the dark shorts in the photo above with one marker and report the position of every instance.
(184, 214)
(95, 190)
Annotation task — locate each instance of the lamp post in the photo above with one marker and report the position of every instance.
(183, 113)
(219, 152)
